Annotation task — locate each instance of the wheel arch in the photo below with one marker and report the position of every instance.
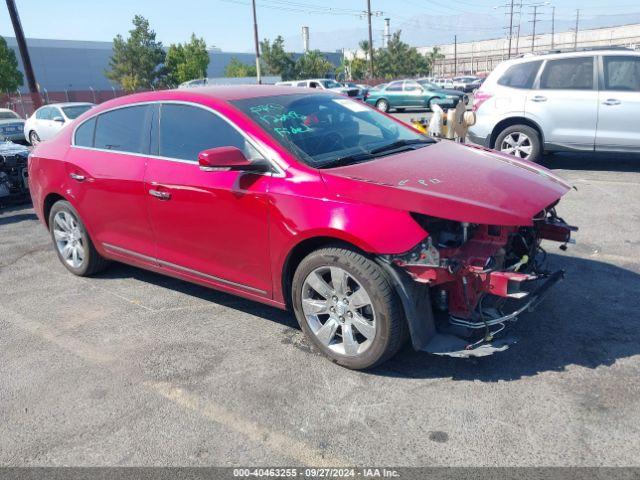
(508, 122)
(48, 203)
(304, 248)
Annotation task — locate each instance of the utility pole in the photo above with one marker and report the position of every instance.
(575, 40)
(534, 21)
(255, 38)
(553, 27)
(510, 26)
(22, 47)
(370, 38)
(455, 54)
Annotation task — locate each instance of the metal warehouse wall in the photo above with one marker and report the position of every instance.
(80, 65)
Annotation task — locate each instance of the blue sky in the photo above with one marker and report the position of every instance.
(227, 23)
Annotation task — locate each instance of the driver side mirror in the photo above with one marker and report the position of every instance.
(58, 118)
(222, 159)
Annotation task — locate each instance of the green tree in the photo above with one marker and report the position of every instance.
(364, 46)
(433, 56)
(187, 61)
(313, 64)
(400, 60)
(276, 60)
(137, 62)
(10, 77)
(236, 68)
(353, 69)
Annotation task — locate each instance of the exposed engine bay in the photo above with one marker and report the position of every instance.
(13, 173)
(481, 277)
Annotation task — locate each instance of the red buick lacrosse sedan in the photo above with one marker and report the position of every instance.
(371, 232)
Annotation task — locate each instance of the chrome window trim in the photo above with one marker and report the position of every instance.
(278, 169)
(162, 263)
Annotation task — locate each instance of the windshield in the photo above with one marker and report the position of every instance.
(326, 131)
(331, 84)
(8, 116)
(75, 111)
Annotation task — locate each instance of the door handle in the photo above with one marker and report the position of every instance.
(539, 98)
(159, 194)
(612, 101)
(77, 177)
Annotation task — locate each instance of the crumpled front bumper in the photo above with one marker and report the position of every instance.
(453, 346)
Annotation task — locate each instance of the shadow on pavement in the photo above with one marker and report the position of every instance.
(599, 162)
(588, 320)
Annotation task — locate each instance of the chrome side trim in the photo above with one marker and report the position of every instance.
(174, 266)
(279, 170)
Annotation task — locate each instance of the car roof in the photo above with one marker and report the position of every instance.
(202, 95)
(576, 53)
(67, 104)
(239, 92)
(6, 110)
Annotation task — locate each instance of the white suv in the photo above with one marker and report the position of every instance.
(577, 101)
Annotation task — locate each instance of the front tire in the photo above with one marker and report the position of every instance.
(348, 308)
(72, 242)
(521, 141)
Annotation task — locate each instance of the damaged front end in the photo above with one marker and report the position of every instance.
(477, 279)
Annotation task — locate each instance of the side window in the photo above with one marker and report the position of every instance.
(568, 74)
(411, 86)
(44, 113)
(84, 133)
(521, 75)
(301, 84)
(622, 73)
(394, 87)
(185, 131)
(125, 129)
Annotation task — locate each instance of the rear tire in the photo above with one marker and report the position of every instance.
(382, 105)
(72, 242)
(348, 308)
(522, 141)
(34, 139)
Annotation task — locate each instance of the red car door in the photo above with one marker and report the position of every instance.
(105, 169)
(210, 225)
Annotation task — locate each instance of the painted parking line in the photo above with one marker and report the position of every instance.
(272, 440)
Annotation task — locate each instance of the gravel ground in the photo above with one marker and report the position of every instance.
(132, 368)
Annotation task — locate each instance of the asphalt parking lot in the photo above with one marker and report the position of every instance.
(132, 368)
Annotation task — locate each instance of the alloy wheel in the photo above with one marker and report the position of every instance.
(68, 238)
(517, 144)
(382, 105)
(339, 311)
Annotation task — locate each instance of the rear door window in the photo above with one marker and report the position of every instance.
(622, 73)
(394, 87)
(521, 75)
(568, 74)
(411, 86)
(186, 130)
(125, 129)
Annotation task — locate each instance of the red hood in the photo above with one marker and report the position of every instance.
(451, 181)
